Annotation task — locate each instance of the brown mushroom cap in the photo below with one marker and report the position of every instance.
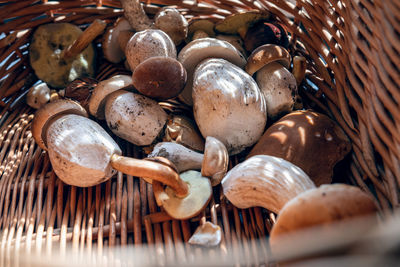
(309, 140)
(111, 48)
(321, 206)
(200, 192)
(216, 160)
(159, 77)
(50, 111)
(239, 22)
(266, 54)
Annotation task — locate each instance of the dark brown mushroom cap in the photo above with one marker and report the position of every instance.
(50, 111)
(159, 77)
(321, 207)
(309, 140)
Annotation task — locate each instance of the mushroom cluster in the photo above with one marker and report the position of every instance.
(234, 75)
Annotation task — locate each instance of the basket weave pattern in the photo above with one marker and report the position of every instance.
(353, 53)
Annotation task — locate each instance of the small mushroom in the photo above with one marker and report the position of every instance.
(198, 50)
(320, 207)
(160, 78)
(213, 163)
(99, 95)
(172, 23)
(112, 50)
(192, 204)
(239, 22)
(228, 104)
(207, 234)
(134, 117)
(59, 52)
(83, 154)
(182, 130)
(309, 140)
(265, 33)
(146, 44)
(264, 181)
(199, 28)
(275, 81)
(38, 95)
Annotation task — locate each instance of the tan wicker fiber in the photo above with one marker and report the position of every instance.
(353, 52)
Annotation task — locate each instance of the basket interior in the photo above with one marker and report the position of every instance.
(352, 52)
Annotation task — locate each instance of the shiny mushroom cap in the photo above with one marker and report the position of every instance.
(97, 100)
(45, 115)
(309, 140)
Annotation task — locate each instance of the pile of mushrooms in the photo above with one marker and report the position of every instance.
(235, 76)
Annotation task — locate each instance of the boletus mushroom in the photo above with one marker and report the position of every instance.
(198, 50)
(83, 154)
(160, 78)
(264, 181)
(322, 207)
(60, 52)
(239, 22)
(213, 163)
(135, 118)
(171, 21)
(146, 44)
(182, 130)
(309, 140)
(279, 86)
(113, 41)
(228, 104)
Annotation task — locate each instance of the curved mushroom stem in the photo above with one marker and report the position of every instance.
(151, 170)
(80, 44)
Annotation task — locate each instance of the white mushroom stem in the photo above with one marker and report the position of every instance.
(264, 181)
(151, 170)
(136, 16)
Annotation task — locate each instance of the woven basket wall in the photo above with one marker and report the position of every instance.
(353, 53)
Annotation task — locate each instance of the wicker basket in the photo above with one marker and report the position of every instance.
(353, 53)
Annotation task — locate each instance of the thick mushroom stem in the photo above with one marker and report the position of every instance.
(151, 170)
(136, 16)
(80, 44)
